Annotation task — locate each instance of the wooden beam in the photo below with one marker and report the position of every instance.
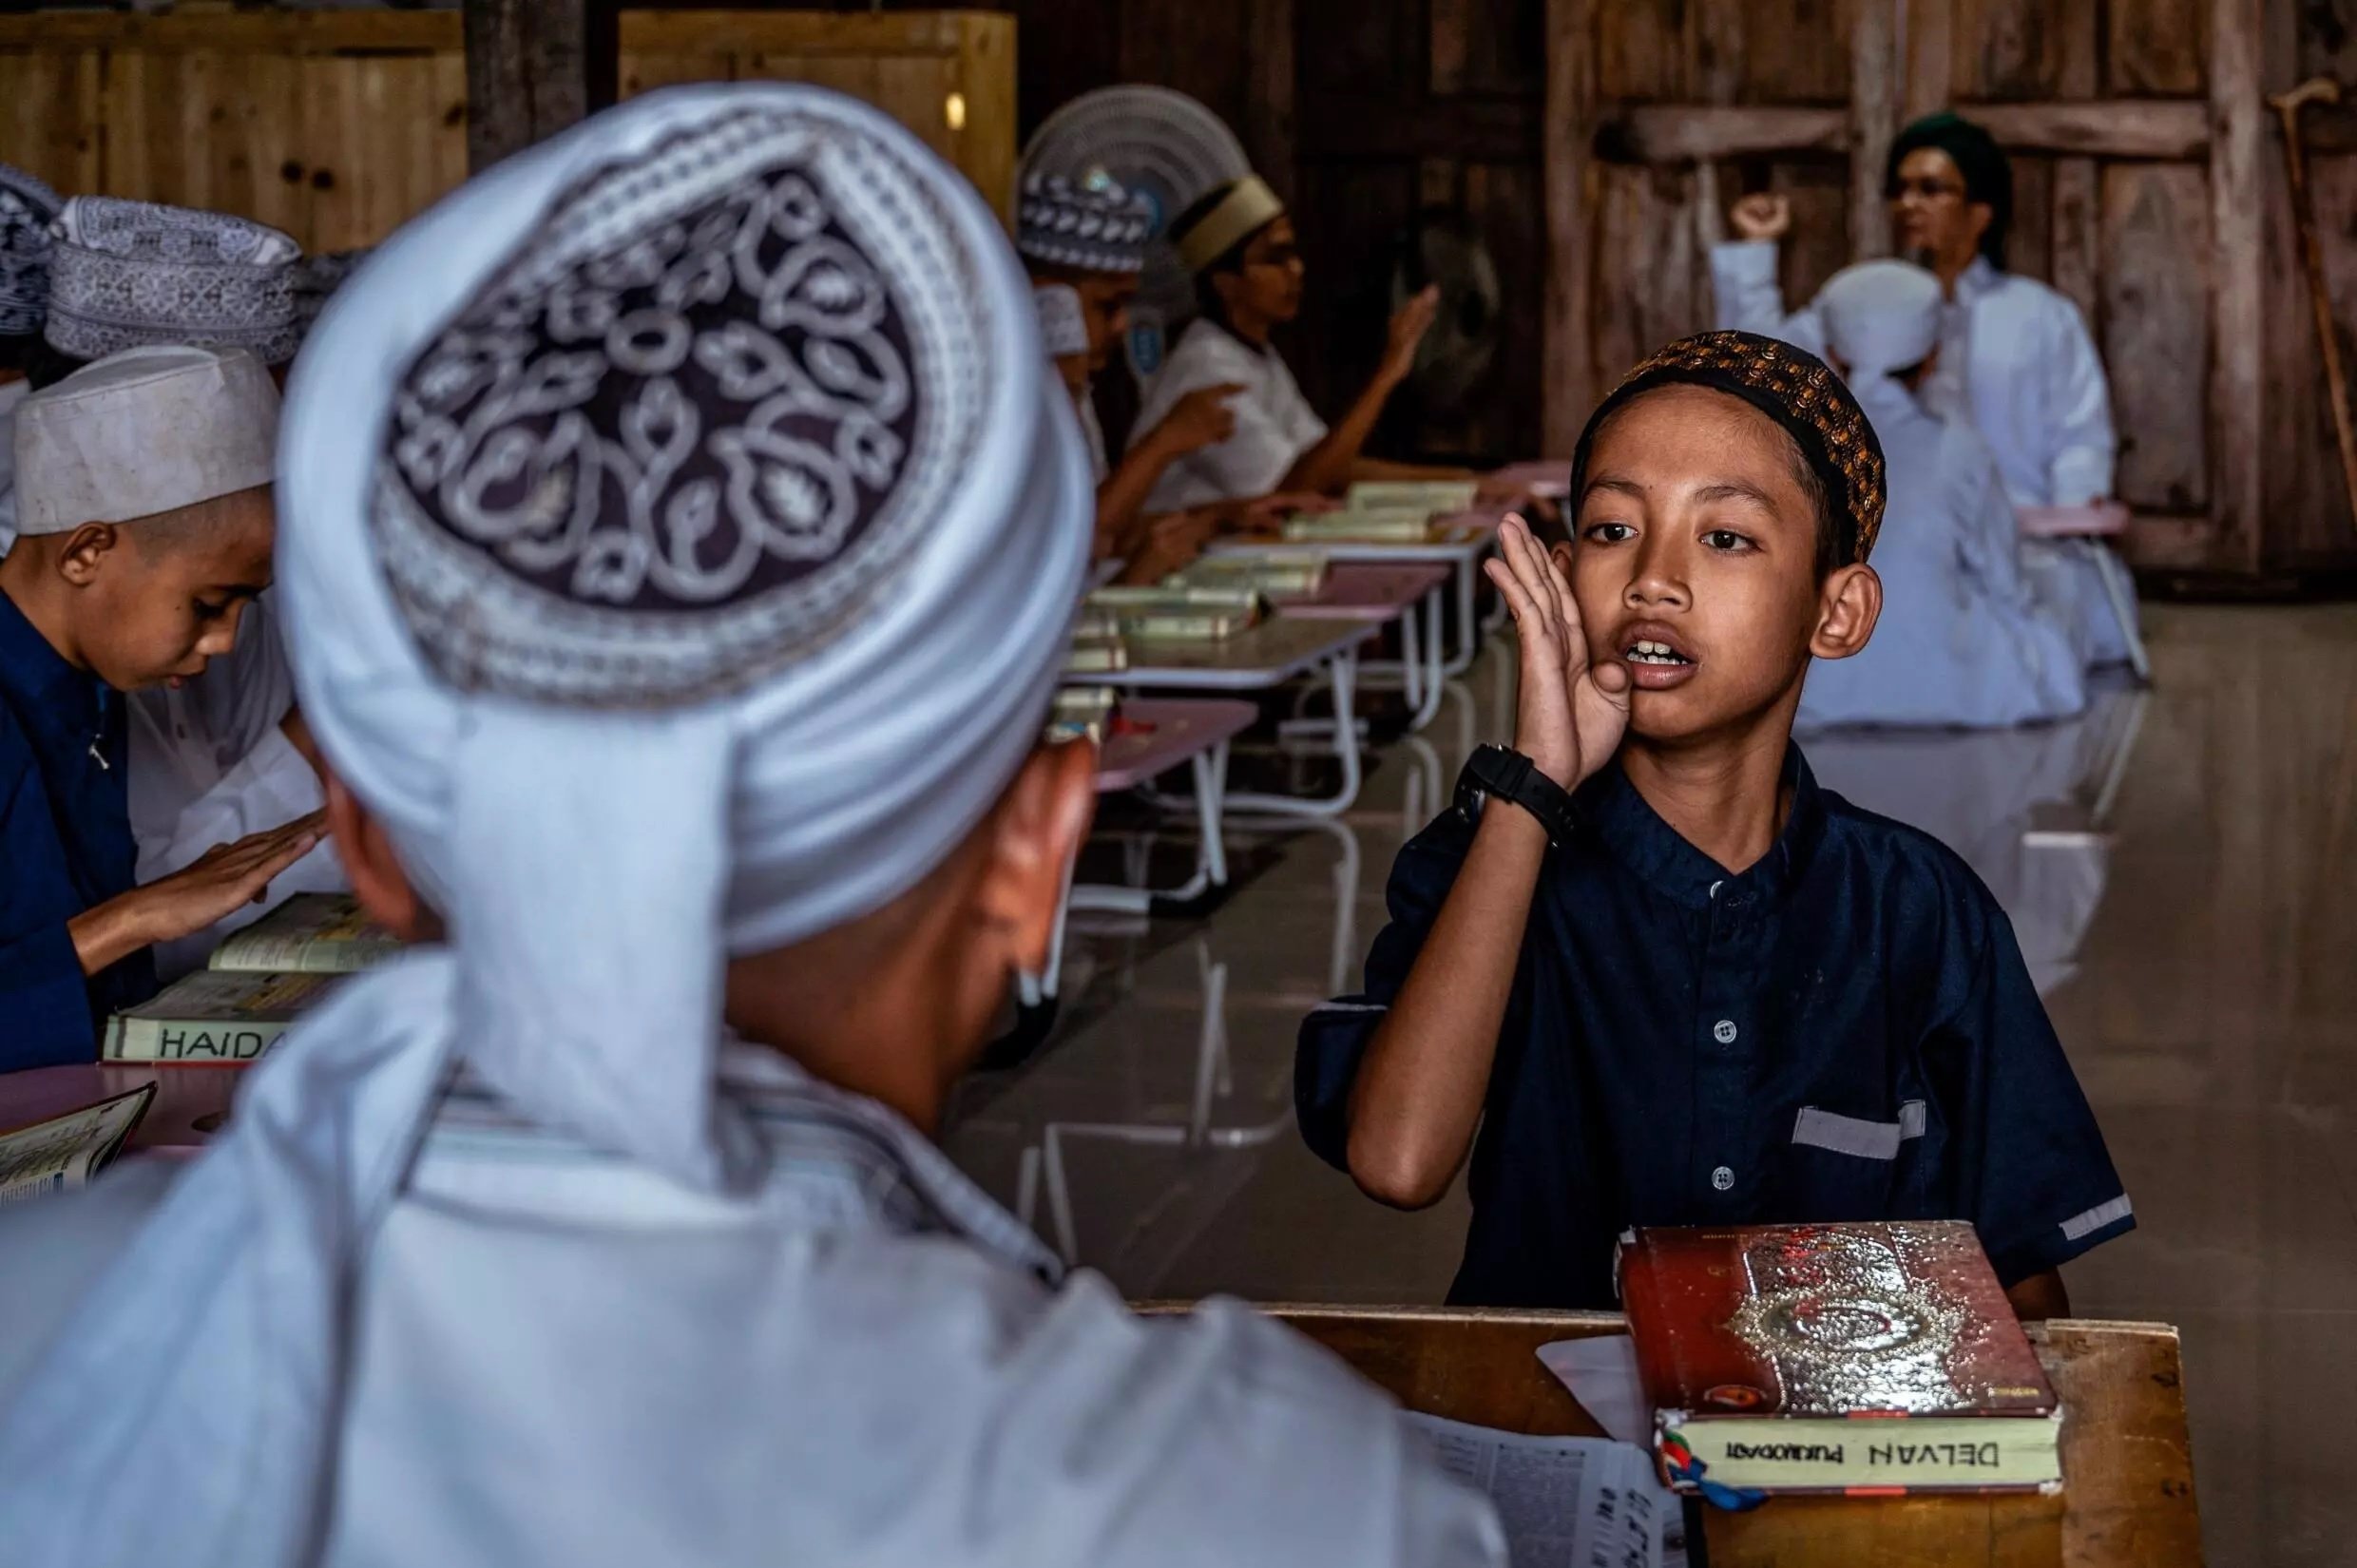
(1877, 88)
(2116, 128)
(2238, 322)
(1676, 133)
(1568, 389)
(2123, 128)
(534, 68)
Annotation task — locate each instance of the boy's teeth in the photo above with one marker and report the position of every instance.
(1647, 652)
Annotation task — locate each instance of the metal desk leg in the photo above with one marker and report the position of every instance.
(1435, 659)
(1411, 665)
(1343, 673)
(1469, 635)
(1211, 854)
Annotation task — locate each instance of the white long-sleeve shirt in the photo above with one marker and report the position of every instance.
(1964, 638)
(2014, 355)
(2016, 359)
(557, 1356)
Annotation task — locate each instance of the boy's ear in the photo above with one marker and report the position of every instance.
(377, 880)
(86, 551)
(1848, 606)
(1034, 835)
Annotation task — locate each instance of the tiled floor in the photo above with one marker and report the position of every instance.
(2191, 917)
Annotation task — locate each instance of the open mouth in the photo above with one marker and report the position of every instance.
(1646, 651)
(1656, 656)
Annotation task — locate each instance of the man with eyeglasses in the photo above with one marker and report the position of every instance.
(2015, 355)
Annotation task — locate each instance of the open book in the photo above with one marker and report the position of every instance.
(67, 1151)
(310, 933)
(1564, 1502)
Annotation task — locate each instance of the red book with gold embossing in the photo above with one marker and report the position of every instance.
(1845, 1358)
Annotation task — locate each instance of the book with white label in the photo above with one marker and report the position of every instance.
(68, 1151)
(213, 1017)
(310, 933)
(1869, 1357)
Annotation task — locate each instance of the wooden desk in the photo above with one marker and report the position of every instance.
(2128, 1471)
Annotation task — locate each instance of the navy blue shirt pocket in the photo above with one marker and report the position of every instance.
(1843, 1167)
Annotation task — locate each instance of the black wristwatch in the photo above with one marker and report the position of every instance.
(1511, 775)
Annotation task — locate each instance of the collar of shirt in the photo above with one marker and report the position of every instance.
(61, 707)
(1634, 835)
(1977, 280)
(830, 1151)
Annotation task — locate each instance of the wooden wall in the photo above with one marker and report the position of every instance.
(338, 125)
(1596, 143)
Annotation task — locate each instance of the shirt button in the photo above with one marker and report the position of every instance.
(1722, 1178)
(1724, 1031)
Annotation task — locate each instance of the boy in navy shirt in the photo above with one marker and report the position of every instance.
(1669, 979)
(142, 491)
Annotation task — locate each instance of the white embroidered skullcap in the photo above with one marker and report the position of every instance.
(127, 273)
(1093, 225)
(1881, 317)
(144, 431)
(1062, 329)
(26, 207)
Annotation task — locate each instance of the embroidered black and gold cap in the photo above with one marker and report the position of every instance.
(1791, 386)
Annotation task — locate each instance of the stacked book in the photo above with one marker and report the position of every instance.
(1180, 613)
(1387, 511)
(1097, 646)
(260, 981)
(1271, 573)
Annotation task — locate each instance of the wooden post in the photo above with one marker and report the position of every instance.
(1930, 57)
(1268, 128)
(1568, 134)
(2238, 323)
(534, 68)
(1877, 83)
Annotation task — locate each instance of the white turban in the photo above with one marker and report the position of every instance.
(144, 431)
(1881, 318)
(680, 533)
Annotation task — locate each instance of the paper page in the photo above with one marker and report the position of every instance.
(1600, 1371)
(1564, 1502)
(67, 1151)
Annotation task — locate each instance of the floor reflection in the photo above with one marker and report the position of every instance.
(2181, 869)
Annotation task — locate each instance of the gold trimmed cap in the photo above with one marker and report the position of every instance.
(1248, 206)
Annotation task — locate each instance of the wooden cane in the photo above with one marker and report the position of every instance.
(2288, 107)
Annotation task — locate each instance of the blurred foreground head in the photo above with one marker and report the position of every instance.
(682, 532)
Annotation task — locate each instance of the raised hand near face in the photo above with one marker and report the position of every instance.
(1570, 713)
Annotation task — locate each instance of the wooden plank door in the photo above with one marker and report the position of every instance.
(2135, 138)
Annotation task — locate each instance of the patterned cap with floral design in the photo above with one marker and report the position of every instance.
(1791, 386)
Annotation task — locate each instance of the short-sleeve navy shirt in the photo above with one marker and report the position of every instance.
(1845, 1031)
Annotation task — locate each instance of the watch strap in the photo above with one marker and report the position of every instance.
(1511, 775)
